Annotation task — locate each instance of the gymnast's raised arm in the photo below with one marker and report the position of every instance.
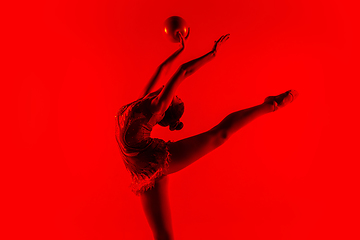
(163, 66)
(163, 100)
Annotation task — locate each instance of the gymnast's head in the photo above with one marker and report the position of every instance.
(173, 115)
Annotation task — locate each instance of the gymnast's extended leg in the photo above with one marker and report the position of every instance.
(186, 151)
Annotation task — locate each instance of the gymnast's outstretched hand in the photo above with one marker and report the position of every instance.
(182, 38)
(219, 42)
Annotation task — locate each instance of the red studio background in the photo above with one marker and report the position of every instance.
(69, 65)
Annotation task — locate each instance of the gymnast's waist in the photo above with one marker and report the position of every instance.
(133, 149)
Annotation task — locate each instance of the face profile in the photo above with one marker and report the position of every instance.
(173, 115)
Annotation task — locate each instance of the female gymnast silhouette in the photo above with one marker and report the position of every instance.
(150, 160)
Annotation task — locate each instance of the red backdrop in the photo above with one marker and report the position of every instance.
(69, 66)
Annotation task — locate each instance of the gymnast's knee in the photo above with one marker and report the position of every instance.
(219, 135)
(185, 70)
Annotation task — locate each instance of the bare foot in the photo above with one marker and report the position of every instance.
(282, 100)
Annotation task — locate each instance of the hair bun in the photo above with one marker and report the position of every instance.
(176, 126)
(179, 126)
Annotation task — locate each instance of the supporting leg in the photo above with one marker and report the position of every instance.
(155, 203)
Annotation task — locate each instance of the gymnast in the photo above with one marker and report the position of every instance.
(151, 160)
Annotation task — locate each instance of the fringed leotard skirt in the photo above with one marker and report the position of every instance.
(147, 161)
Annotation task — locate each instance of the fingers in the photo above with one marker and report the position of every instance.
(181, 38)
(223, 38)
(178, 33)
(188, 33)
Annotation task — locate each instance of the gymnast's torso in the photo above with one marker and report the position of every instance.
(135, 122)
(146, 158)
